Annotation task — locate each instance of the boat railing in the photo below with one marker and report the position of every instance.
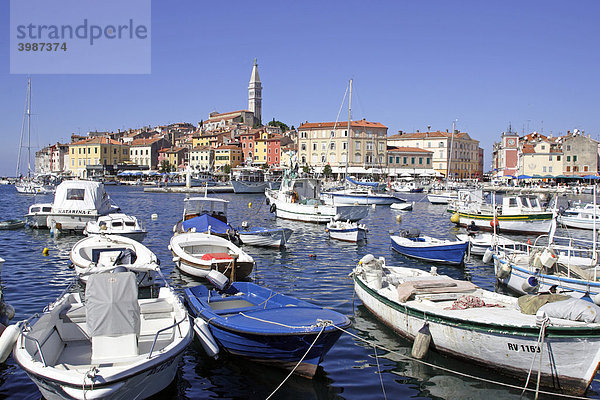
(176, 324)
(36, 341)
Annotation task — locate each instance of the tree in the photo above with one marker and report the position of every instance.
(327, 170)
(284, 127)
(306, 169)
(165, 166)
(226, 169)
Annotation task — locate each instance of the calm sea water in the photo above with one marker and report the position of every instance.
(312, 268)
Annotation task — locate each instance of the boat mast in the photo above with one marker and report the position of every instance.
(450, 156)
(349, 119)
(25, 113)
(28, 127)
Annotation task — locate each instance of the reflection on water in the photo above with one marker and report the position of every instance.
(312, 268)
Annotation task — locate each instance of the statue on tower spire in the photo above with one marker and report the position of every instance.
(255, 95)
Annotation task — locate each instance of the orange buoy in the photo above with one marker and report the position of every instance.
(494, 222)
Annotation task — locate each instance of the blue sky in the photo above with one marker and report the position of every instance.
(414, 63)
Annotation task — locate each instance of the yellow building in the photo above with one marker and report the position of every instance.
(96, 151)
(227, 155)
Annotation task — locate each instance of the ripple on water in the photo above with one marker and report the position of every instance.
(350, 370)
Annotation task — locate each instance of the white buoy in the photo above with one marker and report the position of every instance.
(206, 338)
(7, 341)
(154, 217)
(373, 205)
(422, 340)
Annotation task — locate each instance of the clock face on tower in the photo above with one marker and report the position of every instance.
(511, 142)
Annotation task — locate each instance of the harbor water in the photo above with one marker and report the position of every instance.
(368, 362)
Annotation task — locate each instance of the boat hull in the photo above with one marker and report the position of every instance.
(566, 364)
(142, 385)
(531, 223)
(318, 213)
(579, 223)
(519, 275)
(249, 187)
(348, 235)
(266, 238)
(450, 253)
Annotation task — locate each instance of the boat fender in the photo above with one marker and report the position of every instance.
(399, 219)
(503, 270)
(531, 285)
(488, 255)
(267, 201)
(273, 208)
(422, 341)
(206, 338)
(455, 218)
(169, 247)
(176, 259)
(8, 340)
(596, 299)
(494, 222)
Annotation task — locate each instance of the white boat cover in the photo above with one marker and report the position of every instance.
(81, 197)
(112, 307)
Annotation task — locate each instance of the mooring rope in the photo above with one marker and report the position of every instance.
(462, 374)
(379, 372)
(323, 326)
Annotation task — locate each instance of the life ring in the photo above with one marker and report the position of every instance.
(272, 208)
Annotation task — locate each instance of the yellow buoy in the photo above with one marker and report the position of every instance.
(398, 218)
(455, 219)
(250, 205)
(45, 252)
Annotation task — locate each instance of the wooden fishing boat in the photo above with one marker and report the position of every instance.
(199, 253)
(480, 326)
(251, 321)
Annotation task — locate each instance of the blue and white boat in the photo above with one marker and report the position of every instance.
(269, 327)
(412, 244)
(267, 237)
(347, 231)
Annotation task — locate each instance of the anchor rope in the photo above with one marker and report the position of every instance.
(379, 372)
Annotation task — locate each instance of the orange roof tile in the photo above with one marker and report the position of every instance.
(341, 124)
(96, 140)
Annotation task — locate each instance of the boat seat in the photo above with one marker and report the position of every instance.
(75, 313)
(155, 308)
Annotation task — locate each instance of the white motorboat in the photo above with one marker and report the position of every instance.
(100, 253)
(78, 202)
(266, 237)
(442, 197)
(298, 199)
(113, 345)
(198, 253)
(586, 217)
(480, 242)
(37, 216)
(347, 231)
(364, 193)
(116, 224)
(482, 327)
(408, 206)
(248, 180)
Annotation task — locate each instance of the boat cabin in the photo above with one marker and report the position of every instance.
(196, 206)
(81, 197)
(518, 205)
(304, 190)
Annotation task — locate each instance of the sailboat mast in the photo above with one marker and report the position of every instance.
(22, 130)
(450, 155)
(349, 119)
(28, 127)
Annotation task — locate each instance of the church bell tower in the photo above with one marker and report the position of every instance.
(255, 95)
